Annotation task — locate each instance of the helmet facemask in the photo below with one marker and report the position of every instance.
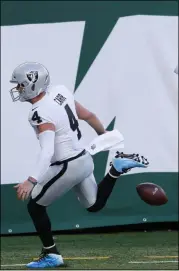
(18, 93)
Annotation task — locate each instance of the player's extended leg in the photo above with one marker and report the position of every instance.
(94, 197)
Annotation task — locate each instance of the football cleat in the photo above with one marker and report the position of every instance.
(122, 163)
(46, 260)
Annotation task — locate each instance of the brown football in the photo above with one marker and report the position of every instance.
(152, 194)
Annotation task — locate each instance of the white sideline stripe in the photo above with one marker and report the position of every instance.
(156, 262)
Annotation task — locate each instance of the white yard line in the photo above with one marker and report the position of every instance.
(8, 265)
(161, 257)
(154, 262)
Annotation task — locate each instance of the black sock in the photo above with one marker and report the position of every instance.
(42, 224)
(51, 250)
(105, 188)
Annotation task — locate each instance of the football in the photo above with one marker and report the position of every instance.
(152, 194)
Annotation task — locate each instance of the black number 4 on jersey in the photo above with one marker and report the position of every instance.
(73, 121)
(36, 117)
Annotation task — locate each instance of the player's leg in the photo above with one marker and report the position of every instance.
(57, 181)
(94, 197)
(50, 255)
(86, 191)
(41, 220)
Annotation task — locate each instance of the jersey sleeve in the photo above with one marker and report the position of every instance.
(40, 116)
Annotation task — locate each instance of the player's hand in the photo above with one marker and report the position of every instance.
(23, 190)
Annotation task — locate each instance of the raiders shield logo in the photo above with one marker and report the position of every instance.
(32, 76)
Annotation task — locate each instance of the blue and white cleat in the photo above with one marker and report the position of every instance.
(46, 260)
(122, 163)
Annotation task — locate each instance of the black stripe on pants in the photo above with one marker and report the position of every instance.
(51, 182)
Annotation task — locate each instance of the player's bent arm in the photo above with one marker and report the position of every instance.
(46, 140)
(90, 118)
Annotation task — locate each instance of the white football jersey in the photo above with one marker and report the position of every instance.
(58, 107)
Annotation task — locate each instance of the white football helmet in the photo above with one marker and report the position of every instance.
(31, 78)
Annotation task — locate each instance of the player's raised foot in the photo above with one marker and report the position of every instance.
(46, 261)
(122, 163)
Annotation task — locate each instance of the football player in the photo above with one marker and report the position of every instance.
(63, 163)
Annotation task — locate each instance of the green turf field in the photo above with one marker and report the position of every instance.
(137, 250)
